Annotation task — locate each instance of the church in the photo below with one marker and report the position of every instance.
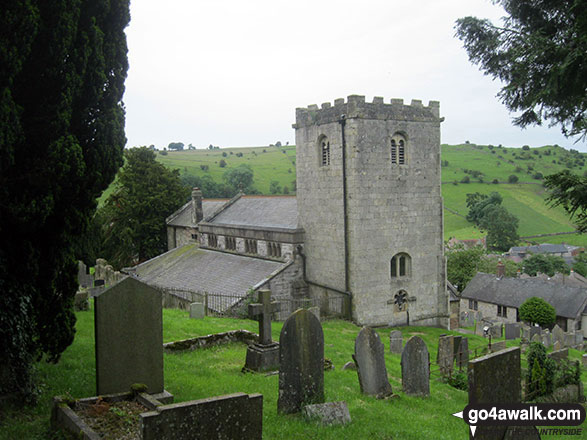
(362, 238)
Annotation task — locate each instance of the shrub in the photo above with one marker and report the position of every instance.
(537, 176)
(540, 373)
(204, 167)
(512, 178)
(465, 179)
(239, 154)
(459, 380)
(222, 163)
(537, 311)
(163, 153)
(224, 154)
(495, 181)
(526, 147)
(518, 169)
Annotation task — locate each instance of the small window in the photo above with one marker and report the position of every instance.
(274, 249)
(194, 236)
(324, 145)
(472, 304)
(401, 266)
(230, 243)
(502, 311)
(250, 246)
(398, 150)
(212, 240)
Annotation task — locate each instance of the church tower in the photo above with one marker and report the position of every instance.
(369, 201)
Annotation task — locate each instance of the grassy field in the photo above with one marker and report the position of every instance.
(216, 371)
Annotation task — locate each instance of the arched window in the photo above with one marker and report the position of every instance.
(398, 150)
(401, 266)
(324, 145)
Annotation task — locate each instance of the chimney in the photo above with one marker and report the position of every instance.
(500, 269)
(197, 211)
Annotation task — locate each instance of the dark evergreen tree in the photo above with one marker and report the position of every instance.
(569, 191)
(62, 69)
(540, 54)
(133, 217)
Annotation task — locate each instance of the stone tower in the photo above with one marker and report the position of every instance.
(369, 200)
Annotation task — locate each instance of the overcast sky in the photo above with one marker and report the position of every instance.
(232, 72)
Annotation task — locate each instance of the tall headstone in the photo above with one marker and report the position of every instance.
(536, 338)
(396, 342)
(512, 330)
(264, 355)
(558, 335)
(497, 346)
(301, 362)
(462, 354)
(197, 310)
(496, 330)
(535, 331)
(416, 368)
(569, 340)
(547, 339)
(129, 337)
(370, 360)
(479, 328)
(445, 354)
(489, 384)
(456, 344)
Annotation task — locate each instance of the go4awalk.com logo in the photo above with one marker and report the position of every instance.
(525, 414)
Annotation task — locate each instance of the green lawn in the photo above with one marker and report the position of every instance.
(216, 371)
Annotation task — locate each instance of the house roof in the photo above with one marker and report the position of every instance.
(569, 301)
(191, 269)
(540, 249)
(183, 216)
(259, 211)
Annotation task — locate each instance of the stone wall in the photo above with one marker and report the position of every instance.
(285, 283)
(178, 236)
(391, 208)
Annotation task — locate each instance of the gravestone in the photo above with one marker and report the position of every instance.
(84, 279)
(467, 319)
(584, 359)
(316, 311)
(234, 416)
(559, 355)
(445, 355)
(479, 328)
(129, 337)
(329, 413)
(489, 384)
(370, 360)
(547, 339)
(462, 355)
(557, 346)
(396, 342)
(535, 331)
(578, 338)
(512, 331)
(349, 366)
(536, 338)
(81, 301)
(496, 330)
(264, 355)
(416, 368)
(526, 332)
(569, 340)
(558, 335)
(301, 362)
(498, 346)
(456, 344)
(197, 310)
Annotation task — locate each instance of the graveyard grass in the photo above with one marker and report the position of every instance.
(216, 371)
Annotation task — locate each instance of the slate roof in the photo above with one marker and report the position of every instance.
(260, 211)
(192, 269)
(569, 301)
(183, 216)
(540, 249)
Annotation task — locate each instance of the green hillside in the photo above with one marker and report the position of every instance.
(481, 165)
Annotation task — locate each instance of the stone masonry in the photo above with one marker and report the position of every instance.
(359, 209)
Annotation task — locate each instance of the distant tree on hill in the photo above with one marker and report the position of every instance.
(63, 67)
(540, 54)
(240, 178)
(177, 146)
(512, 178)
(222, 163)
(274, 187)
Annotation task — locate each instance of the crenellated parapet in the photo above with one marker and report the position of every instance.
(356, 107)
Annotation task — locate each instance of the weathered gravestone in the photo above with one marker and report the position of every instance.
(489, 384)
(264, 355)
(231, 417)
(536, 338)
(559, 355)
(316, 311)
(129, 337)
(558, 335)
(578, 338)
(462, 354)
(557, 346)
(84, 279)
(480, 328)
(512, 331)
(370, 360)
(496, 330)
(81, 301)
(197, 310)
(456, 344)
(396, 341)
(498, 346)
(301, 362)
(569, 340)
(416, 368)
(535, 331)
(445, 355)
(467, 319)
(547, 339)
(584, 359)
(329, 413)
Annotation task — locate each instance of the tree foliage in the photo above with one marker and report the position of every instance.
(177, 146)
(540, 54)
(569, 191)
(133, 217)
(462, 265)
(537, 311)
(547, 264)
(240, 178)
(63, 64)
